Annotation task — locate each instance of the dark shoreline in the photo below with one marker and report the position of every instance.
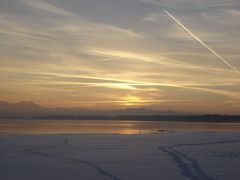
(173, 118)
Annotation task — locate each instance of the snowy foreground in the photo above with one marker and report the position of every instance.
(170, 155)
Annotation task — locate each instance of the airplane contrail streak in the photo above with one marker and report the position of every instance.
(200, 41)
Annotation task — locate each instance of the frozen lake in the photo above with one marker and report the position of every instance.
(108, 127)
(167, 156)
(118, 150)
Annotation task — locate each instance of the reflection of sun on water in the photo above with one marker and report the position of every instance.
(129, 131)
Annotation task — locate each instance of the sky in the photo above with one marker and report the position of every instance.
(111, 54)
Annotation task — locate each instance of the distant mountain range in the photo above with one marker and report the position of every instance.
(26, 109)
(31, 110)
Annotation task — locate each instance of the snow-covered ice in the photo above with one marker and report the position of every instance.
(166, 156)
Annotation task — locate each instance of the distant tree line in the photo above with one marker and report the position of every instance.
(183, 118)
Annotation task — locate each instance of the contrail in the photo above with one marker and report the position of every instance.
(200, 41)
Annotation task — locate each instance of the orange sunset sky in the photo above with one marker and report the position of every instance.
(110, 54)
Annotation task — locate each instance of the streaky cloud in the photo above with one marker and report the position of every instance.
(119, 83)
(47, 7)
(113, 55)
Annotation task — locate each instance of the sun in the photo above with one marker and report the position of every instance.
(132, 100)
